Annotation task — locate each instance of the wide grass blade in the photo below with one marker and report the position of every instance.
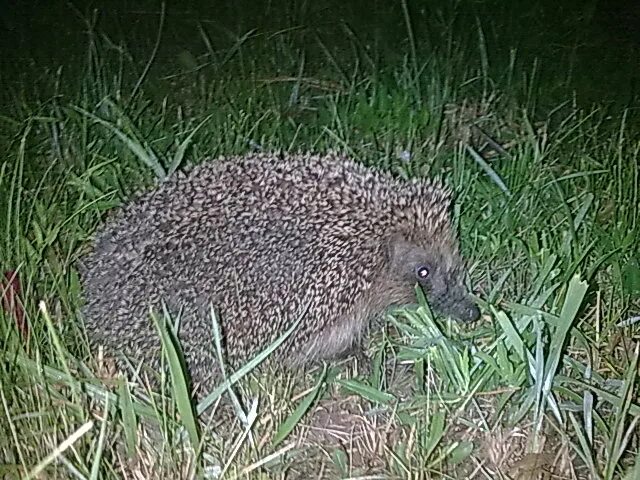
(573, 300)
(372, 394)
(128, 414)
(180, 387)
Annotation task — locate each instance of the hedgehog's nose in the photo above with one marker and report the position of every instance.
(472, 313)
(464, 310)
(467, 311)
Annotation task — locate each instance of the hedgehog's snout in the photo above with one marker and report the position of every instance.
(457, 304)
(467, 311)
(464, 310)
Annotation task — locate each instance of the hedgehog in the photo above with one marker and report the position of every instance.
(267, 241)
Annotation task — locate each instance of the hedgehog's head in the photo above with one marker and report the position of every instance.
(437, 268)
(421, 247)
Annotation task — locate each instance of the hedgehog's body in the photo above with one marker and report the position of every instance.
(266, 241)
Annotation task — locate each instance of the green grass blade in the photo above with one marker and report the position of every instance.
(573, 300)
(128, 414)
(619, 439)
(97, 454)
(181, 393)
(182, 148)
(246, 368)
(301, 409)
(145, 155)
(366, 391)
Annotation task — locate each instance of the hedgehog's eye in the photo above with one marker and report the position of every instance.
(422, 272)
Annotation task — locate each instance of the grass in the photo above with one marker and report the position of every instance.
(547, 183)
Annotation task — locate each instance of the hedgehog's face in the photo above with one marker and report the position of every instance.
(440, 274)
